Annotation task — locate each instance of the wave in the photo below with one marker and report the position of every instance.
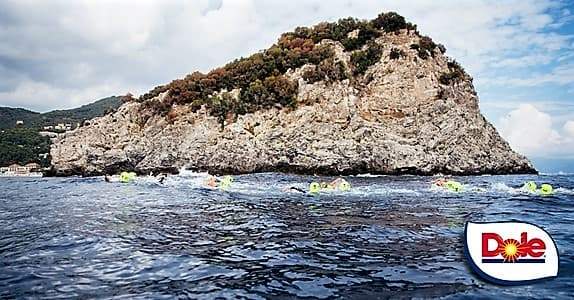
(502, 187)
(369, 175)
(565, 191)
(265, 186)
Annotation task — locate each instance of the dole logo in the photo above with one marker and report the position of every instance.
(510, 252)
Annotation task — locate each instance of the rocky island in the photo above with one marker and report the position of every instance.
(348, 97)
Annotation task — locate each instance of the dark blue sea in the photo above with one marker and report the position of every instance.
(389, 237)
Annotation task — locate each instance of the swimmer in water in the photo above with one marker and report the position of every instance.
(440, 182)
(339, 184)
(315, 187)
(293, 189)
(161, 178)
(212, 181)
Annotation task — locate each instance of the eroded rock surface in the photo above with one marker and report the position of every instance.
(397, 118)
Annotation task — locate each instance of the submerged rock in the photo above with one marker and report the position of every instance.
(404, 115)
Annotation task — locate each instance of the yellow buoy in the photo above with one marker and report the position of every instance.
(546, 189)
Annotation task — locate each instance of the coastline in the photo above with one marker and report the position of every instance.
(298, 171)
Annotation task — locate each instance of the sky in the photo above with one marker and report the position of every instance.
(62, 54)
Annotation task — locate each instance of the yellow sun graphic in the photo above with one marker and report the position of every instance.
(510, 250)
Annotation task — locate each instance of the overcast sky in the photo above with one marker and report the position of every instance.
(62, 54)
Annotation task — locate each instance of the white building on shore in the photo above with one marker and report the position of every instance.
(16, 170)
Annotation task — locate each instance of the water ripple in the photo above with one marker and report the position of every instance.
(388, 237)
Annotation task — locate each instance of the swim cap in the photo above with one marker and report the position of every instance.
(546, 189)
(226, 182)
(125, 177)
(453, 186)
(314, 187)
(345, 186)
(530, 186)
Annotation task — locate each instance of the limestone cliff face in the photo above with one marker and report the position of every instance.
(397, 118)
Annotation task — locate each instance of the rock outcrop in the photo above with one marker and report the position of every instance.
(402, 116)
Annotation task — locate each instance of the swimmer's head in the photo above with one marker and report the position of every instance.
(345, 186)
(546, 189)
(314, 187)
(530, 186)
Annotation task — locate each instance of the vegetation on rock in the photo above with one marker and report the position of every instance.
(392, 22)
(362, 60)
(455, 73)
(260, 77)
(327, 70)
(426, 47)
(22, 146)
(396, 53)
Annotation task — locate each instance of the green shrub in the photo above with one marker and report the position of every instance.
(396, 53)
(328, 69)
(425, 47)
(392, 22)
(259, 76)
(221, 106)
(313, 75)
(427, 44)
(367, 32)
(273, 91)
(441, 48)
(333, 70)
(362, 60)
(455, 73)
(423, 53)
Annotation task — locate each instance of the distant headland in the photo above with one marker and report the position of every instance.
(349, 97)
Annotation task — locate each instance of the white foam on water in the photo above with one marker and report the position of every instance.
(251, 188)
(564, 191)
(378, 190)
(188, 173)
(368, 175)
(146, 180)
(502, 187)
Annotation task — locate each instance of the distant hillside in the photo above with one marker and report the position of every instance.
(9, 116)
(24, 145)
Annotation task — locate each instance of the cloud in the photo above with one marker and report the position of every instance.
(531, 132)
(93, 49)
(83, 50)
(49, 94)
(524, 61)
(569, 128)
(560, 75)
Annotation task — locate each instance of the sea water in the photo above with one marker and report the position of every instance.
(388, 237)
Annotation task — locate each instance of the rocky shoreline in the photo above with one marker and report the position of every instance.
(402, 116)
